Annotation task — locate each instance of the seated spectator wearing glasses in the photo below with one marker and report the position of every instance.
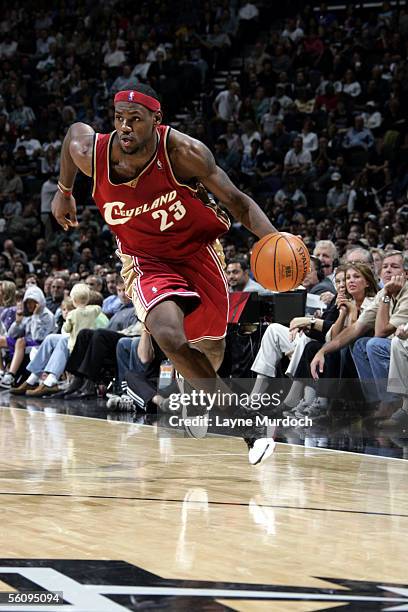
(388, 311)
(315, 282)
(326, 252)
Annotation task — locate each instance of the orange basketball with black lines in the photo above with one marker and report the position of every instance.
(280, 261)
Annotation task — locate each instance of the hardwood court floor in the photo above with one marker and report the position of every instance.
(87, 489)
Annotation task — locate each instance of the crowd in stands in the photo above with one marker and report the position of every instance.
(310, 121)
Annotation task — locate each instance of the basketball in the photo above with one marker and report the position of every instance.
(280, 261)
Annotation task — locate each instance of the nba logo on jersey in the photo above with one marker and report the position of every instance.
(131, 95)
(159, 164)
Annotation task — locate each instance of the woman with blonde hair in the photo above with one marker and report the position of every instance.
(7, 304)
(357, 293)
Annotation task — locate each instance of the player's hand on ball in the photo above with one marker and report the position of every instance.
(317, 365)
(64, 210)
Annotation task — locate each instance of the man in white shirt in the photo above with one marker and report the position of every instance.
(226, 104)
(27, 141)
(48, 191)
(114, 57)
(291, 31)
(297, 161)
(8, 47)
(142, 67)
(338, 195)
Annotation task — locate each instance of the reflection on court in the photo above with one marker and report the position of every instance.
(82, 489)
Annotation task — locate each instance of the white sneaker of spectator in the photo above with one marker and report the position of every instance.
(317, 408)
(298, 410)
(120, 402)
(7, 381)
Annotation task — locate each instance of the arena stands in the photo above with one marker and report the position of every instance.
(302, 105)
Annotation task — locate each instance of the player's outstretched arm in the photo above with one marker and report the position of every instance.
(192, 159)
(76, 153)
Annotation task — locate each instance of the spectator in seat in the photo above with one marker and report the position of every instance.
(141, 356)
(352, 300)
(315, 282)
(279, 341)
(297, 161)
(226, 104)
(398, 375)
(388, 311)
(228, 160)
(69, 258)
(268, 168)
(53, 301)
(338, 196)
(292, 193)
(326, 251)
(11, 183)
(94, 282)
(358, 137)
(7, 304)
(112, 302)
(33, 323)
(237, 273)
(53, 353)
(93, 348)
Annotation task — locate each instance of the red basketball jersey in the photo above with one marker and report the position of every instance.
(153, 215)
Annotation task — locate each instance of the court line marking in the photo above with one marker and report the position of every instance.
(213, 502)
(337, 450)
(282, 444)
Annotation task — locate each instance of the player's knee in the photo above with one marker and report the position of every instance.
(170, 339)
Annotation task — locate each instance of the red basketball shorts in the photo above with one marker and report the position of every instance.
(199, 279)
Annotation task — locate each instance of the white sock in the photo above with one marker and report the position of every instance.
(261, 384)
(309, 394)
(322, 401)
(51, 380)
(295, 394)
(33, 379)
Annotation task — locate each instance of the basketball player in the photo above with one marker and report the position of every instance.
(149, 183)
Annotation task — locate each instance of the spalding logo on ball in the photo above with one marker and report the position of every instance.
(280, 261)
